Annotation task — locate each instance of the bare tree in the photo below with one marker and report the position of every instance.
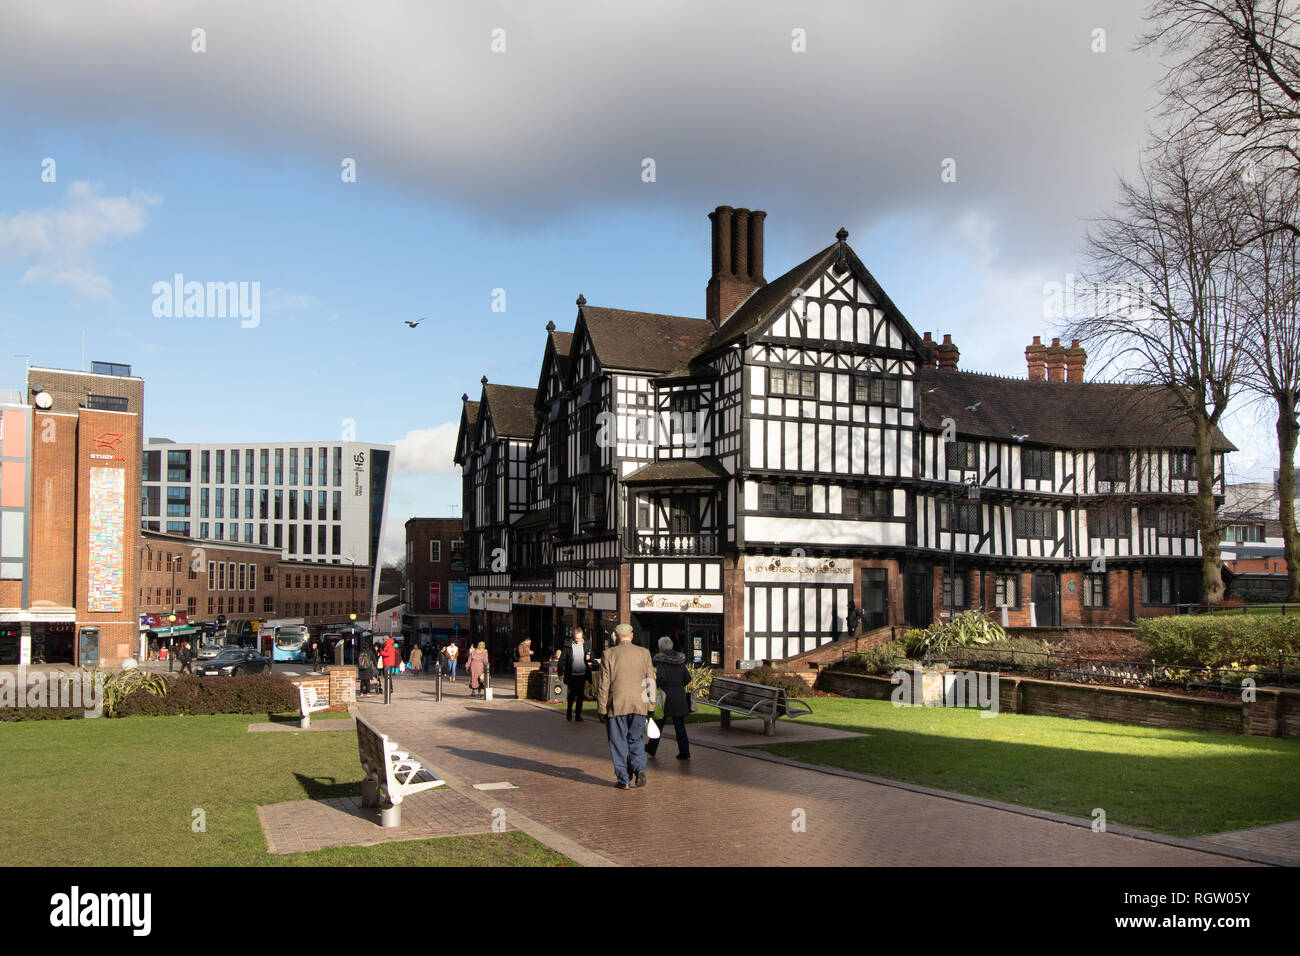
(1233, 76)
(1174, 234)
(1271, 369)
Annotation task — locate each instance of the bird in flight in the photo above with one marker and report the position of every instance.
(975, 407)
(1019, 438)
(415, 323)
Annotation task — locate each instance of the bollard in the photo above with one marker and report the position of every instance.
(388, 684)
(437, 689)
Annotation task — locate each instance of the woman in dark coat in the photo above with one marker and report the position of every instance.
(672, 677)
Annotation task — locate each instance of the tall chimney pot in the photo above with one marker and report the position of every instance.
(1036, 359)
(737, 261)
(1076, 360)
(1056, 361)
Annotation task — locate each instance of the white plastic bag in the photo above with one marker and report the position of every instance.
(651, 729)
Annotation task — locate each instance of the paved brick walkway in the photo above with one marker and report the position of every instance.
(1281, 840)
(721, 808)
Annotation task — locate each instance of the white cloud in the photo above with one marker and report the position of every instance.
(427, 451)
(59, 241)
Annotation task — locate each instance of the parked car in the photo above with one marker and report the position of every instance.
(234, 660)
(209, 651)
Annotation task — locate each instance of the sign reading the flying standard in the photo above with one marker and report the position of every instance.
(680, 603)
(798, 569)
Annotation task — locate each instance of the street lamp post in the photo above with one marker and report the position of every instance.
(972, 488)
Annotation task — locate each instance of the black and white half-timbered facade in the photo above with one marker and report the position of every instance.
(742, 482)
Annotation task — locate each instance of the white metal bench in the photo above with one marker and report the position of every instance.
(309, 702)
(391, 774)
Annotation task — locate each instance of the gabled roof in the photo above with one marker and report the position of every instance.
(468, 419)
(1059, 414)
(774, 298)
(641, 341)
(556, 353)
(511, 409)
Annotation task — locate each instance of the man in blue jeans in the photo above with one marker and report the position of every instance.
(625, 695)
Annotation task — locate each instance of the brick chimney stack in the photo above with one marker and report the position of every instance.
(947, 354)
(1076, 359)
(737, 261)
(927, 352)
(1056, 361)
(1035, 356)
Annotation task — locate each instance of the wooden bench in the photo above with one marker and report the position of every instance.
(391, 774)
(732, 696)
(309, 702)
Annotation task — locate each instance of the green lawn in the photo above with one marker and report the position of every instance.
(121, 793)
(1178, 782)
(1289, 610)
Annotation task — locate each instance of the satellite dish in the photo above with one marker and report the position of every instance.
(43, 400)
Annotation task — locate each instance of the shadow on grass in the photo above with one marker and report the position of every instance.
(326, 788)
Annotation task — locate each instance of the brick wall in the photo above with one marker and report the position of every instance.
(1274, 713)
(54, 509)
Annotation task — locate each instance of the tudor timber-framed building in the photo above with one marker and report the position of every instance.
(736, 481)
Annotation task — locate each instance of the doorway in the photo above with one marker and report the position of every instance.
(875, 594)
(918, 601)
(1047, 600)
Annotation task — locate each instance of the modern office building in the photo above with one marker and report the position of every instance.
(69, 491)
(318, 502)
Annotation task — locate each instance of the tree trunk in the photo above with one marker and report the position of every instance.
(1207, 515)
(1286, 442)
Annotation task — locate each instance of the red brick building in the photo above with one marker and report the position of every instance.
(69, 497)
(436, 592)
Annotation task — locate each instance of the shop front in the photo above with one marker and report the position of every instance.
(693, 621)
(595, 612)
(534, 619)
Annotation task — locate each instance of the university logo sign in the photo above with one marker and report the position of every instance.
(109, 440)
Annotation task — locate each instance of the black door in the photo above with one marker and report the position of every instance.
(1047, 600)
(875, 588)
(918, 606)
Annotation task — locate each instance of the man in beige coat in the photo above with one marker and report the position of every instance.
(625, 695)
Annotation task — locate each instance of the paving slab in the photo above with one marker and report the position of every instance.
(302, 825)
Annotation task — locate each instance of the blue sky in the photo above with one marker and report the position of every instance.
(522, 171)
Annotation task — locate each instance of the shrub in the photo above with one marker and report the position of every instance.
(120, 685)
(881, 659)
(970, 628)
(1216, 641)
(701, 678)
(1019, 652)
(40, 713)
(792, 685)
(241, 694)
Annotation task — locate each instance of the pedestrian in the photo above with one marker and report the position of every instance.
(417, 660)
(388, 663)
(315, 655)
(187, 657)
(671, 676)
(524, 652)
(364, 667)
(452, 653)
(477, 663)
(625, 693)
(575, 668)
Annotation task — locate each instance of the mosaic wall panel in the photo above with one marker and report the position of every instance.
(107, 529)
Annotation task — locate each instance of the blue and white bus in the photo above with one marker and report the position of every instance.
(283, 641)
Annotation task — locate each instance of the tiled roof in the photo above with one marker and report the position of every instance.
(511, 407)
(563, 342)
(678, 471)
(471, 412)
(643, 341)
(1060, 414)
